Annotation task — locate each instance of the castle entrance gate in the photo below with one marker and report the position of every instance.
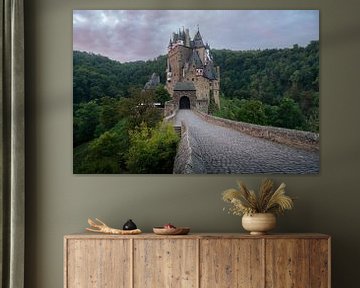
(184, 102)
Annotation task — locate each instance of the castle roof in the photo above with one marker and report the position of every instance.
(209, 71)
(184, 86)
(195, 59)
(198, 42)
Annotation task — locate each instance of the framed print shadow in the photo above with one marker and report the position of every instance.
(196, 92)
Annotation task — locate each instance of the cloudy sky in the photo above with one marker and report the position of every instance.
(130, 35)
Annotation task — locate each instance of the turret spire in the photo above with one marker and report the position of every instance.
(198, 42)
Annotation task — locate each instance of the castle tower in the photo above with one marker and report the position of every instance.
(190, 64)
(199, 45)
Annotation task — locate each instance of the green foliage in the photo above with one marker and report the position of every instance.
(152, 150)
(313, 120)
(266, 75)
(93, 118)
(96, 76)
(86, 119)
(105, 154)
(229, 109)
(252, 111)
(109, 114)
(289, 114)
(161, 95)
(79, 159)
(96, 117)
(140, 109)
(269, 76)
(277, 87)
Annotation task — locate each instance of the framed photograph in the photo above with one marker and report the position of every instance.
(196, 92)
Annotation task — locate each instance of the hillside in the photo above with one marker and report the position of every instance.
(277, 87)
(96, 76)
(266, 75)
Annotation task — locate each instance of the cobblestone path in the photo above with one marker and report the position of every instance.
(224, 150)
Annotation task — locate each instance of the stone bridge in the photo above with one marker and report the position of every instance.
(208, 147)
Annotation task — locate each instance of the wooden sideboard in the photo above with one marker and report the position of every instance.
(197, 260)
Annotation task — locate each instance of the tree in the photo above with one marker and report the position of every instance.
(140, 109)
(109, 114)
(289, 114)
(152, 150)
(252, 111)
(103, 154)
(86, 118)
(96, 76)
(161, 95)
(272, 115)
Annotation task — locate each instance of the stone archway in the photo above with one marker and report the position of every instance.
(184, 102)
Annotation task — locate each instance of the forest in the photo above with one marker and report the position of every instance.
(276, 87)
(117, 129)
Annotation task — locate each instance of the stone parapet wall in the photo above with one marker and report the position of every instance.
(169, 108)
(294, 138)
(170, 118)
(188, 159)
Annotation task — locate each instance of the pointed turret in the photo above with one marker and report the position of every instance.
(187, 38)
(195, 60)
(170, 44)
(198, 42)
(209, 71)
(175, 37)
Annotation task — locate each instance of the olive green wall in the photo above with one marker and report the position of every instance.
(59, 202)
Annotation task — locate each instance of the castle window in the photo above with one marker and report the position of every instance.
(210, 84)
(192, 79)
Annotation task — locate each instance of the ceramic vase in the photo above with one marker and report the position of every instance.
(259, 223)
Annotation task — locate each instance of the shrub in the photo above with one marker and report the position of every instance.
(105, 154)
(152, 150)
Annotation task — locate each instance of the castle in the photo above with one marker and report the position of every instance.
(191, 77)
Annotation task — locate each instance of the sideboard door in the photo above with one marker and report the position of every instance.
(287, 263)
(100, 263)
(320, 263)
(297, 263)
(165, 263)
(231, 263)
